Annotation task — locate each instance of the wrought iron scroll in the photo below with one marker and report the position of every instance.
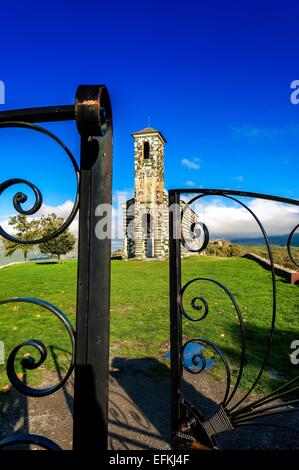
(19, 198)
(92, 113)
(189, 424)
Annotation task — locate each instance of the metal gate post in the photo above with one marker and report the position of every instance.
(94, 122)
(175, 315)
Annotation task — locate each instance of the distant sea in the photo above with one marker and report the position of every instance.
(35, 254)
(278, 240)
(18, 256)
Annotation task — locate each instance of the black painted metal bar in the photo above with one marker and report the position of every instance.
(44, 114)
(92, 112)
(175, 316)
(231, 192)
(93, 294)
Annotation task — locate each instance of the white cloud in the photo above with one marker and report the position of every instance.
(5, 226)
(255, 133)
(229, 221)
(62, 210)
(190, 184)
(239, 178)
(236, 221)
(191, 164)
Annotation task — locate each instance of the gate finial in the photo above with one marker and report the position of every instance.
(93, 110)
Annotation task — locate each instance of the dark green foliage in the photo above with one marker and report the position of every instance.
(60, 245)
(25, 230)
(280, 254)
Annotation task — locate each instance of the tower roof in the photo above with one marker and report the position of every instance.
(149, 130)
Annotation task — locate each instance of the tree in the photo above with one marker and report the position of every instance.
(25, 230)
(60, 245)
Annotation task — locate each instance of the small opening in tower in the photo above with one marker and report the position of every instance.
(146, 150)
(148, 225)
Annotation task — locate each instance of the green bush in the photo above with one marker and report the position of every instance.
(224, 251)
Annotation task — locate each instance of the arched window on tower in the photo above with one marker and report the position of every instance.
(146, 150)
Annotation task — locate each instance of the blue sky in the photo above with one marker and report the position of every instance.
(214, 76)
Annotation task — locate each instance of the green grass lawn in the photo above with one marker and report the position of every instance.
(140, 312)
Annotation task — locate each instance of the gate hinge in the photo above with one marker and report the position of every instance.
(184, 440)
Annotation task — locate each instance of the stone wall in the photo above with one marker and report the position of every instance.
(135, 242)
(290, 275)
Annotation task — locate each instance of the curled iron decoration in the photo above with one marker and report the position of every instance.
(197, 229)
(227, 195)
(19, 198)
(266, 407)
(201, 357)
(289, 248)
(33, 439)
(194, 304)
(29, 363)
(198, 359)
(227, 397)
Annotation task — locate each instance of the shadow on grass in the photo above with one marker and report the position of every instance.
(278, 368)
(45, 263)
(14, 415)
(140, 403)
(139, 408)
(18, 412)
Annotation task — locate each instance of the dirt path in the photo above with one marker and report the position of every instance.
(139, 410)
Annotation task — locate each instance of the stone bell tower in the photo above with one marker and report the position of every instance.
(149, 166)
(145, 216)
(149, 192)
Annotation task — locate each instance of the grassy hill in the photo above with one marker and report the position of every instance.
(140, 312)
(280, 253)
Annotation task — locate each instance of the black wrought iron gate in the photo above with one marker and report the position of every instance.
(92, 113)
(90, 357)
(198, 426)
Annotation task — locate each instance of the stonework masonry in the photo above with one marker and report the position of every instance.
(145, 217)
